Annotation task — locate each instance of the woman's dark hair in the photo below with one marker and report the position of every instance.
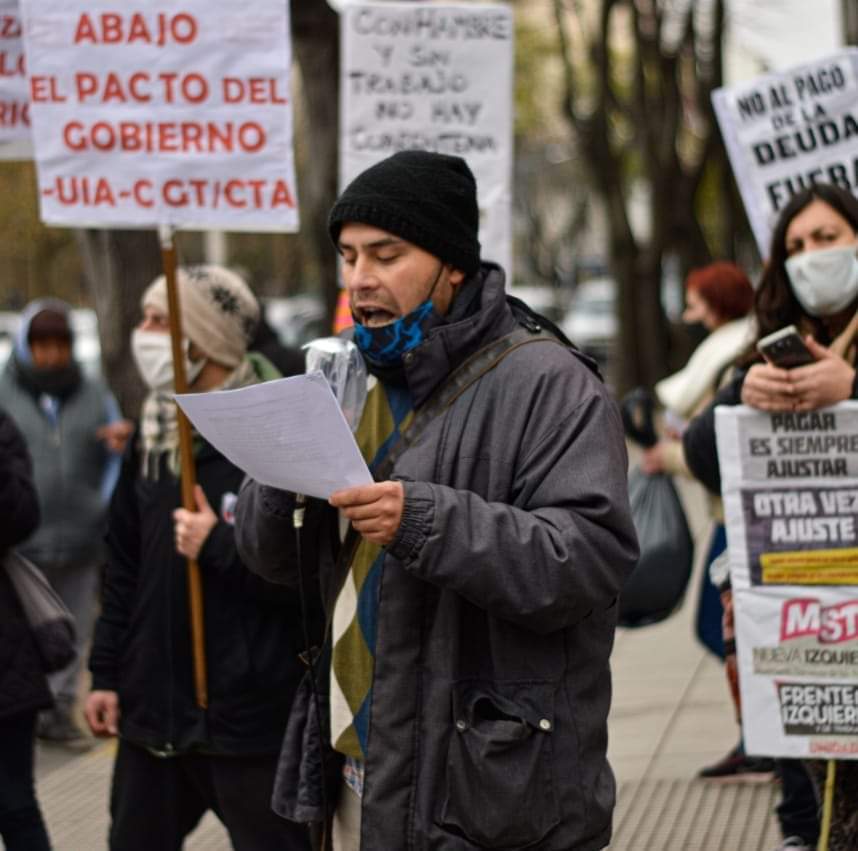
(724, 287)
(775, 304)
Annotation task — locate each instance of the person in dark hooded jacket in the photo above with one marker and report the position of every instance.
(23, 685)
(473, 605)
(75, 435)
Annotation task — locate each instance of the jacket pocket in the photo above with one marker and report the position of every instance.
(500, 778)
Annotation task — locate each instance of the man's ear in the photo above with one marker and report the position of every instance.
(455, 276)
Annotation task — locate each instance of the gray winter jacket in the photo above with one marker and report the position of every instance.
(497, 604)
(70, 468)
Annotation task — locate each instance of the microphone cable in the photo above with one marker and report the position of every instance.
(298, 524)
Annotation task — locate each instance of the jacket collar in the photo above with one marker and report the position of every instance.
(478, 315)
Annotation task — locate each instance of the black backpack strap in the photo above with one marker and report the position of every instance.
(528, 317)
(473, 369)
(470, 371)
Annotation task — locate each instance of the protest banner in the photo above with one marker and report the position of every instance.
(436, 78)
(790, 488)
(786, 131)
(154, 116)
(14, 92)
(151, 114)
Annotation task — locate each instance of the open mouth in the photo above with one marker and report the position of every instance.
(374, 317)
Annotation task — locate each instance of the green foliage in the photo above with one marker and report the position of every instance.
(275, 264)
(535, 60)
(708, 207)
(35, 260)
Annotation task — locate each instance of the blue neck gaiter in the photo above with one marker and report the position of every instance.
(384, 346)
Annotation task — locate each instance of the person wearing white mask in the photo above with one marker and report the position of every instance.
(810, 281)
(219, 315)
(175, 760)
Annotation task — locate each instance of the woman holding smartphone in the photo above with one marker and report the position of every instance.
(810, 281)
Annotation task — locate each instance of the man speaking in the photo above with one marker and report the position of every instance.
(472, 605)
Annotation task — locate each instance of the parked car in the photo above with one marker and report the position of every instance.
(541, 299)
(87, 345)
(8, 328)
(297, 319)
(591, 321)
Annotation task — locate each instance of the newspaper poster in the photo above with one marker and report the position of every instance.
(790, 488)
(436, 78)
(152, 113)
(788, 130)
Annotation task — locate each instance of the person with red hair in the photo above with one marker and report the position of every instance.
(721, 290)
(719, 296)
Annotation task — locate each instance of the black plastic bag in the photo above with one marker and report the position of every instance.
(658, 582)
(51, 623)
(637, 410)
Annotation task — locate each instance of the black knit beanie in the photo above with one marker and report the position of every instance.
(427, 199)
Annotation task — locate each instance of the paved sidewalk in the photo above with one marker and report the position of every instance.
(74, 799)
(671, 715)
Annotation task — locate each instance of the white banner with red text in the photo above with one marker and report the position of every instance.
(155, 113)
(790, 487)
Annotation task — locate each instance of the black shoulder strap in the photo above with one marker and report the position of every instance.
(530, 318)
(458, 381)
(473, 369)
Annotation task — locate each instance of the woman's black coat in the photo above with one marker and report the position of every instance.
(23, 687)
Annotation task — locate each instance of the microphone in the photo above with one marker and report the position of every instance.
(340, 362)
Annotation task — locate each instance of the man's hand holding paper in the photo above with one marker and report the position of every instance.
(288, 434)
(374, 510)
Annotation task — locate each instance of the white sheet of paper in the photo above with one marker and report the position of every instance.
(289, 433)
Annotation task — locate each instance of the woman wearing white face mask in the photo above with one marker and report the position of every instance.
(175, 760)
(219, 315)
(151, 347)
(810, 281)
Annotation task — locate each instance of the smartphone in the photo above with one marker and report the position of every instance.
(785, 348)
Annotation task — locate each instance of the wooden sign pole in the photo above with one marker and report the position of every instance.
(186, 457)
(827, 805)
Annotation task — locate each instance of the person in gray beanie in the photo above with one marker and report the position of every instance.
(176, 760)
(472, 603)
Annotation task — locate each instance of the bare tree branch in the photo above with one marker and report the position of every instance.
(659, 135)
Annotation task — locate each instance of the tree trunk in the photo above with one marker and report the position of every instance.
(118, 266)
(640, 133)
(850, 21)
(315, 30)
